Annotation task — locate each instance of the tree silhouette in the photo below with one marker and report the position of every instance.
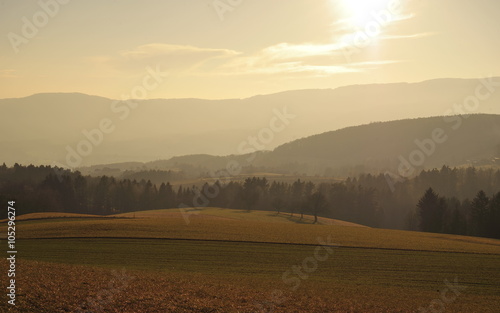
(431, 208)
(493, 217)
(479, 214)
(318, 204)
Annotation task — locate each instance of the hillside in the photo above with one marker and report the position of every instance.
(230, 214)
(375, 147)
(256, 227)
(198, 213)
(474, 140)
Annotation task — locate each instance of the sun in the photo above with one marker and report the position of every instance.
(359, 12)
(364, 6)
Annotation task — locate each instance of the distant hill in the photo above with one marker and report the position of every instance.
(376, 147)
(37, 129)
(459, 140)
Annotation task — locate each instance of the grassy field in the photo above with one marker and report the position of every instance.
(255, 216)
(258, 216)
(258, 263)
(263, 227)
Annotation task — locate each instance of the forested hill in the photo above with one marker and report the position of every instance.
(454, 141)
(397, 147)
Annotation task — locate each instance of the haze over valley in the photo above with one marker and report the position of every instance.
(222, 156)
(149, 130)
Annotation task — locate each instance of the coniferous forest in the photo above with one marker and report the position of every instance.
(448, 200)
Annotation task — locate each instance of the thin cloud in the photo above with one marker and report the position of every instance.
(301, 60)
(166, 50)
(307, 58)
(418, 35)
(289, 51)
(371, 63)
(347, 25)
(169, 57)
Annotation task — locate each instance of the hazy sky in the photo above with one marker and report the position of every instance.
(238, 48)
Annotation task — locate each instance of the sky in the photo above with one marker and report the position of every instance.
(217, 49)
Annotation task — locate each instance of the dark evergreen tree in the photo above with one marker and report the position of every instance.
(479, 214)
(431, 208)
(493, 217)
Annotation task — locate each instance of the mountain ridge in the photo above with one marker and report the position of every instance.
(47, 124)
(423, 82)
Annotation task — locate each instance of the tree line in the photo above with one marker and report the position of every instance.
(478, 217)
(452, 205)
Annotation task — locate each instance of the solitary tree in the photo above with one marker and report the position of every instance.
(318, 204)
